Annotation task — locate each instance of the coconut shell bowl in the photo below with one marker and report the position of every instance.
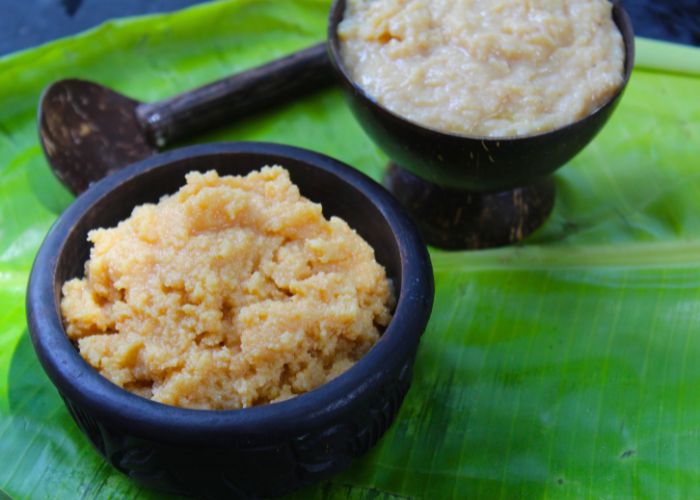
(260, 451)
(470, 192)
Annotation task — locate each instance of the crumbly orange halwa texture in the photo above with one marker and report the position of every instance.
(233, 292)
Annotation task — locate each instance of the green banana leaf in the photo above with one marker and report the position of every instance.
(563, 367)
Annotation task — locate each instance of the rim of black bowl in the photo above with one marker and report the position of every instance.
(83, 385)
(620, 17)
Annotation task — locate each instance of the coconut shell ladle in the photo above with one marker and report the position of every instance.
(88, 130)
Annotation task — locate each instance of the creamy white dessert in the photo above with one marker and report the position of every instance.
(495, 68)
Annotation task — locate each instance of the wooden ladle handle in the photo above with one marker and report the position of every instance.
(236, 96)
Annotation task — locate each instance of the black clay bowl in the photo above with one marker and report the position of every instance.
(259, 451)
(470, 162)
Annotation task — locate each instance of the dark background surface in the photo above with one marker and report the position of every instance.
(26, 23)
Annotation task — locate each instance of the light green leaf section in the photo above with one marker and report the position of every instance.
(667, 57)
(562, 368)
